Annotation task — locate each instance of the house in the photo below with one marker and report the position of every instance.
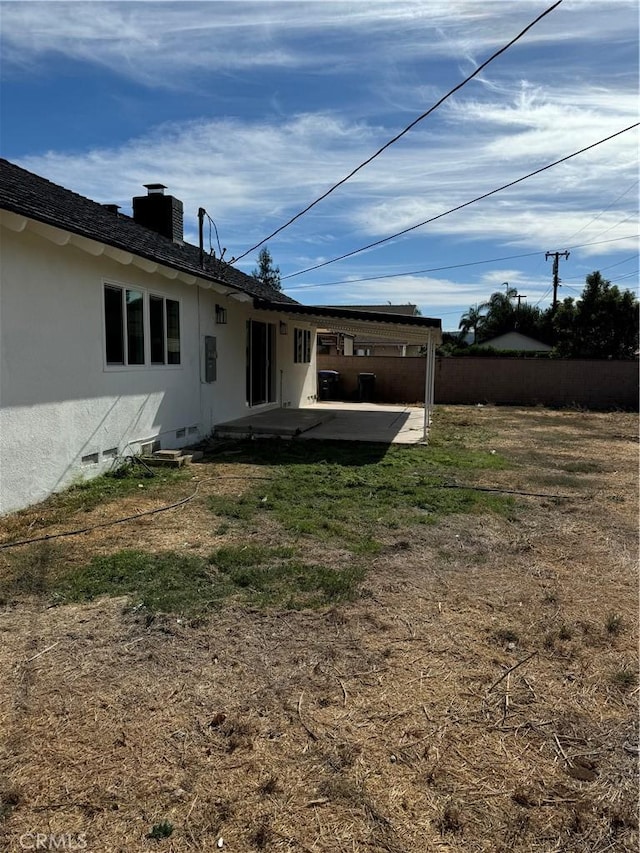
(332, 342)
(117, 336)
(516, 341)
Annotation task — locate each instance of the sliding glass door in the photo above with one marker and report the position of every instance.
(261, 362)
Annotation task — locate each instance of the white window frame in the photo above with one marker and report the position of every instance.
(147, 293)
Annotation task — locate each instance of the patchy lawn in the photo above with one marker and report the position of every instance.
(334, 647)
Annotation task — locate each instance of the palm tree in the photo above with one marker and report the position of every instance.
(472, 319)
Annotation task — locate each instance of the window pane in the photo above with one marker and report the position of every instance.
(135, 328)
(156, 329)
(173, 332)
(297, 346)
(114, 333)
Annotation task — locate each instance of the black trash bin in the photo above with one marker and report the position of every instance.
(366, 387)
(328, 384)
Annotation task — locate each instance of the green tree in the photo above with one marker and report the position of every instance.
(266, 272)
(472, 320)
(500, 314)
(603, 323)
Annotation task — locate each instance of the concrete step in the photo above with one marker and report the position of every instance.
(171, 458)
(164, 461)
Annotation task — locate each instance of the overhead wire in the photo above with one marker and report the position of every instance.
(465, 204)
(544, 296)
(450, 266)
(405, 130)
(603, 211)
(211, 222)
(602, 269)
(627, 275)
(620, 222)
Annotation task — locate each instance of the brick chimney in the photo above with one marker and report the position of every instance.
(159, 212)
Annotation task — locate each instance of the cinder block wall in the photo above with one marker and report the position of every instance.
(398, 380)
(516, 381)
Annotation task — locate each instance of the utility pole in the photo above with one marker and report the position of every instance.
(519, 297)
(556, 279)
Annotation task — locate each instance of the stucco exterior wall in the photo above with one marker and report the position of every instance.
(60, 402)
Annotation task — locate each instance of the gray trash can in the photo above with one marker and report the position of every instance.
(366, 387)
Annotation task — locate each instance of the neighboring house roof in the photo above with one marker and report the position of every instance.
(30, 195)
(516, 341)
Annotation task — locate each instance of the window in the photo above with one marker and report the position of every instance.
(131, 318)
(173, 331)
(301, 346)
(114, 326)
(164, 325)
(157, 327)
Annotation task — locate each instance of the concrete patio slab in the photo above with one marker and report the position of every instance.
(333, 421)
(373, 422)
(283, 422)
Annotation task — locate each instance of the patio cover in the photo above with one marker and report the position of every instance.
(413, 330)
(426, 331)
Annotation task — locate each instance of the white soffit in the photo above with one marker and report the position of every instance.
(60, 237)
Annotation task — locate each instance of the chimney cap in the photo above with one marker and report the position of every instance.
(154, 189)
(112, 208)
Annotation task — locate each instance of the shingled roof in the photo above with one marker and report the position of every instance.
(30, 195)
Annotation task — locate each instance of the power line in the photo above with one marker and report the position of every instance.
(602, 269)
(402, 132)
(627, 275)
(459, 266)
(417, 272)
(544, 296)
(465, 204)
(620, 222)
(604, 210)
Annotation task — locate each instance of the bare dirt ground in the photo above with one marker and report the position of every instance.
(481, 695)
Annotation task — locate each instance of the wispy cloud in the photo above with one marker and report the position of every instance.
(251, 174)
(166, 44)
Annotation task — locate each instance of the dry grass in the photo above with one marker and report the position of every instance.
(481, 695)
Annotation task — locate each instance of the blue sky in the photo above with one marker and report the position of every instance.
(253, 109)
